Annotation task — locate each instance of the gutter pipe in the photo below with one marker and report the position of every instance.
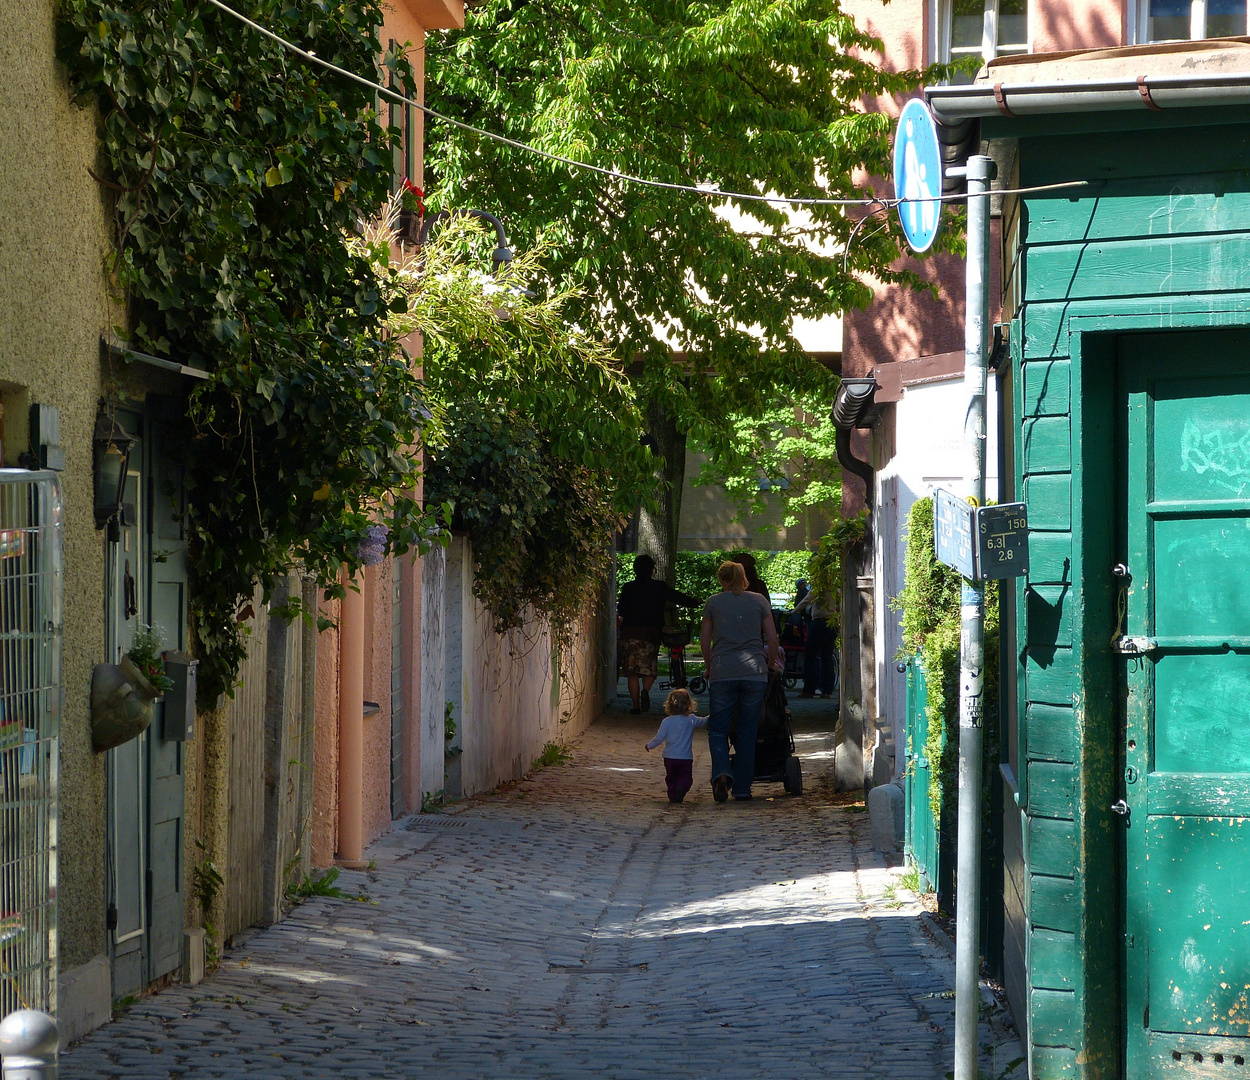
(853, 401)
(351, 720)
(955, 104)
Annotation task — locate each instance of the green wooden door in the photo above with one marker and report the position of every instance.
(147, 585)
(1186, 782)
(166, 581)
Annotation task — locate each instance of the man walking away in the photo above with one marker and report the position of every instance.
(640, 615)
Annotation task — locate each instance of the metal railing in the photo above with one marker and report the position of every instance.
(30, 711)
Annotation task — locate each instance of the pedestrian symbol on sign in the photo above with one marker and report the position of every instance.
(918, 175)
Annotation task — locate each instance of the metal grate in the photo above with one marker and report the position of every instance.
(30, 712)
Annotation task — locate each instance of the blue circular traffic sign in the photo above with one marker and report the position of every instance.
(918, 175)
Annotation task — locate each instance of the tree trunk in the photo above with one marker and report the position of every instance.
(657, 532)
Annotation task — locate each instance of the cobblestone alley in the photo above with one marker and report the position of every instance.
(577, 925)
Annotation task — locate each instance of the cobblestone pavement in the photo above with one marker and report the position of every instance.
(577, 925)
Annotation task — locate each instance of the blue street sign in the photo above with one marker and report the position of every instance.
(918, 174)
(952, 532)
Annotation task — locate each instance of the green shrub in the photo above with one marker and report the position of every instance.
(929, 603)
(696, 570)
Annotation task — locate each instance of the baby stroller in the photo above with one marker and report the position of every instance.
(774, 744)
(792, 636)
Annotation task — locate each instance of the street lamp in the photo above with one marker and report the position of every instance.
(110, 456)
(500, 258)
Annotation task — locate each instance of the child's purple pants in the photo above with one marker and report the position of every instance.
(678, 775)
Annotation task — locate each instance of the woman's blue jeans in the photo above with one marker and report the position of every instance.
(746, 698)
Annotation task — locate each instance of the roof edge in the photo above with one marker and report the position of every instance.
(955, 104)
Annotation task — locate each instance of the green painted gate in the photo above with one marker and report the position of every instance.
(1185, 399)
(922, 827)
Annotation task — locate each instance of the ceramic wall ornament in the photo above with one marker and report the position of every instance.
(121, 704)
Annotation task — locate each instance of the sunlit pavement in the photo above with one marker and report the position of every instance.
(577, 925)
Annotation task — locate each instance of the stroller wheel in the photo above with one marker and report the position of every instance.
(697, 685)
(794, 776)
(792, 681)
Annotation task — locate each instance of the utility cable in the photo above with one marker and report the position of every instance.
(785, 200)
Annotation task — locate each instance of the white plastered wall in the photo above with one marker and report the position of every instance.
(927, 439)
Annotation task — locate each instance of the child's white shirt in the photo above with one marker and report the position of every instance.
(677, 732)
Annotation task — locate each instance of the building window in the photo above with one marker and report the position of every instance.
(1182, 20)
(962, 25)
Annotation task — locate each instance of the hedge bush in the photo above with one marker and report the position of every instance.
(929, 604)
(696, 570)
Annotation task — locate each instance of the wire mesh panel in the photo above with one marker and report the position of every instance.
(30, 712)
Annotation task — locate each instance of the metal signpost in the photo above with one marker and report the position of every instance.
(918, 182)
(984, 543)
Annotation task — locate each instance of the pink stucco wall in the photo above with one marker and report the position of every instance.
(402, 24)
(902, 26)
(1061, 25)
(326, 744)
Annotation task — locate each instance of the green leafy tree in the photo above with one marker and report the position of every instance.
(735, 95)
(785, 456)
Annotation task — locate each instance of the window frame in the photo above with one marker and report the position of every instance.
(942, 15)
(1139, 24)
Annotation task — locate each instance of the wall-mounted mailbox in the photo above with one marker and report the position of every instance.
(180, 701)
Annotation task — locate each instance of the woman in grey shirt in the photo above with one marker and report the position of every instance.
(739, 645)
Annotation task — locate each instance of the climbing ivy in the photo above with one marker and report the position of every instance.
(930, 603)
(825, 567)
(533, 444)
(235, 172)
(541, 523)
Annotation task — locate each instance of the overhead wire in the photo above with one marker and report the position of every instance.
(695, 189)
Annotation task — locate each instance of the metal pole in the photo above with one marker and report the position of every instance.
(980, 172)
(28, 1042)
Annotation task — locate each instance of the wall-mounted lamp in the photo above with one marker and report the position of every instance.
(500, 257)
(110, 456)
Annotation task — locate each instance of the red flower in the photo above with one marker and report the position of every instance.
(412, 197)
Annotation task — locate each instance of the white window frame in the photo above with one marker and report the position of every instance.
(941, 24)
(1139, 21)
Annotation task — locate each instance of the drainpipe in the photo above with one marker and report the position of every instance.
(351, 720)
(849, 407)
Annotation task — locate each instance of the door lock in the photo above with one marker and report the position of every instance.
(1134, 646)
(1120, 807)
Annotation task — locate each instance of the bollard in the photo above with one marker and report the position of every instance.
(28, 1042)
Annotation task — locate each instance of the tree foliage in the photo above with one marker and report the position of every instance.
(696, 570)
(533, 445)
(784, 456)
(698, 294)
(733, 95)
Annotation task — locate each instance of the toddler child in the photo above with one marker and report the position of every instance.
(677, 733)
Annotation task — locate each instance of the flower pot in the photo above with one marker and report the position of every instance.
(121, 704)
(407, 226)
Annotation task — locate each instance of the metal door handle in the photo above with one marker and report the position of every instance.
(1120, 807)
